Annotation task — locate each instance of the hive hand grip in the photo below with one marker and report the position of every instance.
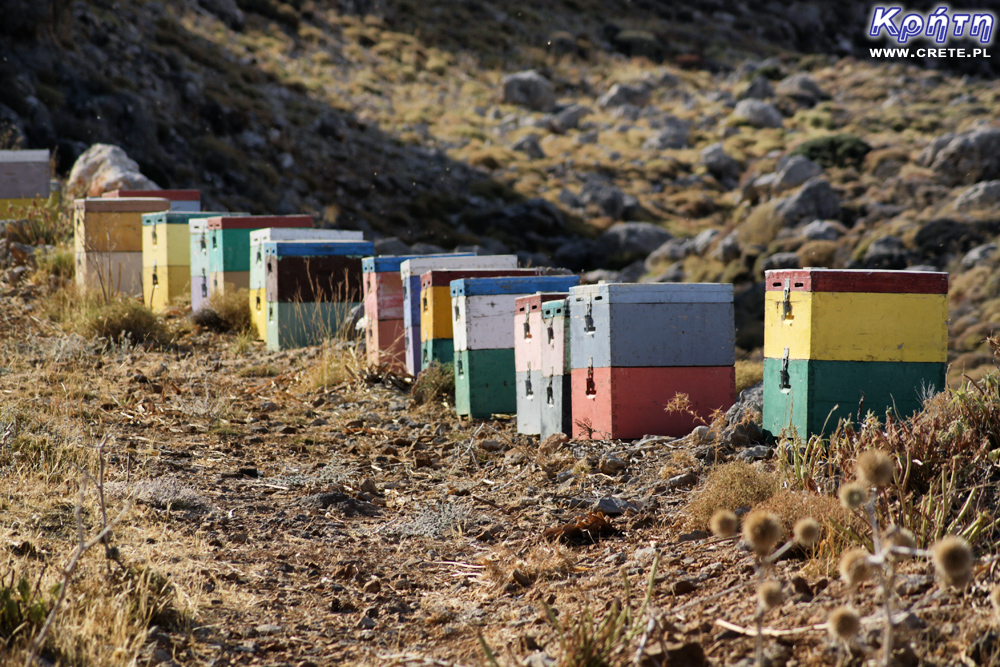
(552, 334)
(528, 389)
(550, 397)
(785, 382)
(591, 385)
(588, 320)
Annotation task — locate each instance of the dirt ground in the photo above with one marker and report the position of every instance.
(346, 525)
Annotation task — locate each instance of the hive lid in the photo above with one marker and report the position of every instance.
(552, 309)
(318, 248)
(303, 234)
(416, 267)
(533, 302)
(21, 157)
(392, 263)
(180, 217)
(857, 280)
(172, 195)
(654, 293)
(512, 285)
(229, 221)
(444, 277)
(123, 205)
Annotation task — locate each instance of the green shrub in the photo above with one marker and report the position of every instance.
(838, 150)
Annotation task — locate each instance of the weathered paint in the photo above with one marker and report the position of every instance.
(529, 332)
(485, 383)
(162, 284)
(198, 255)
(24, 174)
(199, 291)
(226, 282)
(818, 393)
(110, 272)
(166, 237)
(258, 312)
(188, 201)
(412, 351)
(291, 325)
(322, 278)
(628, 403)
(229, 237)
(511, 285)
(857, 280)
(112, 225)
(251, 222)
(441, 350)
(383, 294)
(259, 237)
(384, 343)
(530, 397)
(856, 326)
(557, 405)
(555, 339)
(614, 328)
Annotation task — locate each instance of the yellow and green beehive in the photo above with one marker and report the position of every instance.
(841, 343)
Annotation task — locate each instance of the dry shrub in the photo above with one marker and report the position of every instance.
(541, 562)
(116, 319)
(730, 486)
(790, 506)
(339, 362)
(760, 227)
(224, 312)
(435, 383)
(748, 373)
(821, 254)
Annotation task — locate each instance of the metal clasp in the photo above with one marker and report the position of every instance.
(588, 319)
(785, 381)
(591, 385)
(527, 326)
(786, 304)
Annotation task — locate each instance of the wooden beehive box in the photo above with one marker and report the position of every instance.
(841, 343)
(301, 323)
(556, 406)
(529, 334)
(229, 239)
(483, 308)
(311, 271)
(436, 332)
(161, 285)
(180, 200)
(166, 255)
(410, 273)
(634, 348)
(112, 225)
(110, 272)
(24, 176)
(198, 256)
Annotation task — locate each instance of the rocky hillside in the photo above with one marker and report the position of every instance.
(705, 142)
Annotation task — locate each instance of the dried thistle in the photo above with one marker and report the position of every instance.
(853, 495)
(770, 595)
(995, 600)
(762, 530)
(953, 561)
(844, 623)
(724, 523)
(875, 468)
(900, 538)
(854, 566)
(807, 532)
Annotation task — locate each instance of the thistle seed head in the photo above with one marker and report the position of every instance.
(807, 532)
(770, 595)
(854, 566)
(900, 537)
(875, 468)
(762, 530)
(844, 623)
(853, 495)
(724, 523)
(953, 561)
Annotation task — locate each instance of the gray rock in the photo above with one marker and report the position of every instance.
(629, 112)
(634, 94)
(758, 89)
(757, 114)
(728, 248)
(529, 146)
(636, 238)
(887, 252)
(607, 197)
(227, 10)
(613, 465)
(704, 239)
(802, 89)
(588, 137)
(672, 274)
(599, 276)
(268, 629)
(756, 453)
(751, 400)
(633, 272)
(391, 246)
(979, 255)
(614, 506)
(822, 230)
(669, 138)
(421, 248)
(981, 195)
(529, 89)
(967, 157)
(925, 268)
(569, 118)
(686, 479)
(673, 250)
(723, 167)
(569, 198)
(781, 260)
(793, 171)
(815, 199)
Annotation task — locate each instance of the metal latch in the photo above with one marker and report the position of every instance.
(591, 385)
(785, 378)
(528, 389)
(204, 290)
(588, 319)
(786, 304)
(550, 396)
(552, 334)
(154, 234)
(527, 326)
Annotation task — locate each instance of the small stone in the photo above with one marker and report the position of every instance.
(368, 486)
(683, 587)
(693, 536)
(268, 629)
(288, 430)
(373, 586)
(269, 406)
(319, 421)
(366, 623)
(553, 443)
(678, 481)
(613, 466)
(758, 453)
(491, 445)
(614, 506)
(248, 471)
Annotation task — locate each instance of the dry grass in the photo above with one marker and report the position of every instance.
(117, 319)
(839, 525)
(435, 383)
(730, 486)
(503, 567)
(748, 373)
(225, 312)
(338, 362)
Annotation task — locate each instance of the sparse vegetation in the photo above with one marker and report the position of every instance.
(226, 312)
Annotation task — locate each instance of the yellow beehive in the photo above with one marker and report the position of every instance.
(112, 225)
(162, 284)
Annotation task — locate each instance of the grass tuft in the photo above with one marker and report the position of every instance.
(435, 383)
(226, 312)
(730, 486)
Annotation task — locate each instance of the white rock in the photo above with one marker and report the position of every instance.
(103, 168)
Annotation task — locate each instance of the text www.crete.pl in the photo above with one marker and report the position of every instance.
(929, 53)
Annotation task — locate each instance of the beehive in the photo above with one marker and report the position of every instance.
(310, 289)
(841, 343)
(483, 309)
(634, 348)
(198, 230)
(109, 229)
(229, 247)
(529, 337)
(410, 273)
(24, 180)
(258, 238)
(188, 201)
(166, 255)
(436, 335)
(385, 316)
(556, 403)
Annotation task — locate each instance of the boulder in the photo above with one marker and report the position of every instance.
(701, 242)
(673, 250)
(979, 255)
(227, 11)
(605, 196)
(728, 248)
(758, 89)
(757, 114)
(823, 230)
(103, 168)
(815, 199)
(669, 138)
(569, 118)
(719, 164)
(529, 146)
(886, 253)
(392, 246)
(672, 274)
(635, 94)
(529, 89)
(967, 157)
(981, 195)
(632, 238)
(793, 171)
(781, 260)
(802, 89)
